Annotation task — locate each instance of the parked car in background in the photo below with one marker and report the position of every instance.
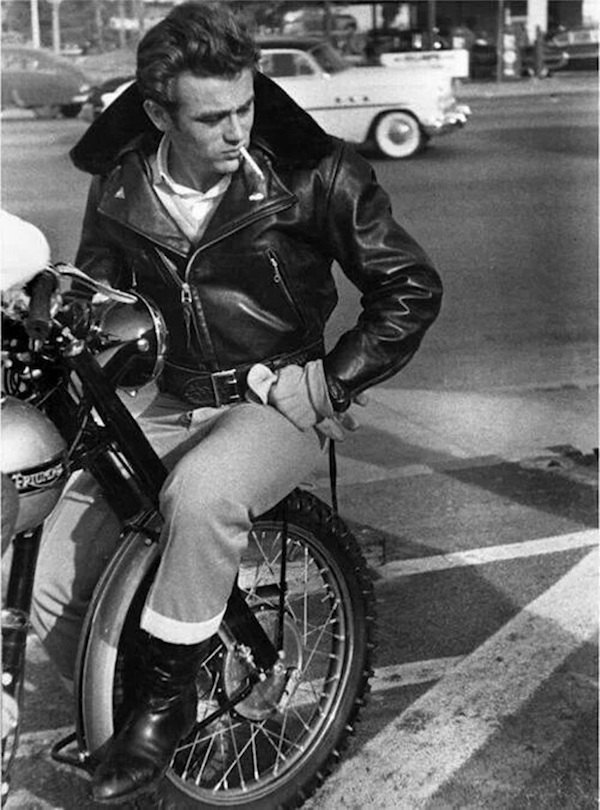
(581, 46)
(314, 21)
(38, 80)
(483, 60)
(396, 109)
(397, 40)
(100, 96)
(553, 58)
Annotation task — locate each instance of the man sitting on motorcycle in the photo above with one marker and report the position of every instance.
(235, 247)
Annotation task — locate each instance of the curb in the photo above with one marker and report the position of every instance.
(527, 88)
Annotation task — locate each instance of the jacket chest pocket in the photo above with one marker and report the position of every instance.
(279, 278)
(248, 283)
(247, 301)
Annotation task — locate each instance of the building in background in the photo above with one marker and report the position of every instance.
(85, 26)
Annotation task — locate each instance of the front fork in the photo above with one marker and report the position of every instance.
(15, 626)
(243, 628)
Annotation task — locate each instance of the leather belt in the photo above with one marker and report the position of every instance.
(226, 387)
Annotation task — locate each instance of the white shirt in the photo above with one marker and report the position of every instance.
(191, 209)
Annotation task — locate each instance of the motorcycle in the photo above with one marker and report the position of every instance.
(284, 679)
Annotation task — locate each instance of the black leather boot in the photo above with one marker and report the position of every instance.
(164, 712)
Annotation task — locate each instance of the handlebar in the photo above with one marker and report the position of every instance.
(39, 319)
(68, 273)
(51, 291)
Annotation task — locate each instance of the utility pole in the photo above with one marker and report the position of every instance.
(327, 18)
(500, 42)
(431, 15)
(35, 24)
(140, 13)
(121, 30)
(56, 25)
(98, 25)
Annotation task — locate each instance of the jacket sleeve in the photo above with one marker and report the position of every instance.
(98, 255)
(401, 291)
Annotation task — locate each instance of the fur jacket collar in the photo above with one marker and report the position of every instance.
(286, 132)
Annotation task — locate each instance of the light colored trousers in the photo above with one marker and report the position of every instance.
(227, 466)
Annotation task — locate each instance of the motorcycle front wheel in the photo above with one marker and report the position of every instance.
(277, 745)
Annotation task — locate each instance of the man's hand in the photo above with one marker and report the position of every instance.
(336, 426)
(301, 395)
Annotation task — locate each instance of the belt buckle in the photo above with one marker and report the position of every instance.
(225, 388)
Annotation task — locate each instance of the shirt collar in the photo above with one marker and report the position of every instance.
(162, 177)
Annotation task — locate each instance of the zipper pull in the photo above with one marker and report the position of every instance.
(186, 301)
(275, 266)
(186, 294)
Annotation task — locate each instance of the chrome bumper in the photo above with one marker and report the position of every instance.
(449, 121)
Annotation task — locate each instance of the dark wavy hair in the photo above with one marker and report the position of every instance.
(203, 38)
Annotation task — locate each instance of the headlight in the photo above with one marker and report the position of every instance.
(133, 340)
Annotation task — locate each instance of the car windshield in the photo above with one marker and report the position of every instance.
(329, 59)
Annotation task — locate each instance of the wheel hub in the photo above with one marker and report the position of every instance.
(398, 133)
(269, 696)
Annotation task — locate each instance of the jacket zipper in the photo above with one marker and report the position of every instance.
(279, 279)
(185, 296)
(188, 310)
(184, 286)
(186, 293)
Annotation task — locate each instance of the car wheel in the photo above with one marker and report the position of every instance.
(47, 111)
(70, 110)
(398, 135)
(530, 73)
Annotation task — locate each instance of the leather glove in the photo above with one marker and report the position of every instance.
(301, 395)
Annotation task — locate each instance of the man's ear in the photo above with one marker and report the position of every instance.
(158, 115)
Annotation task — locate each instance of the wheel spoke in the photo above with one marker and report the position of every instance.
(248, 751)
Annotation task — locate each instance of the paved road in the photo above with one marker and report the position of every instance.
(472, 483)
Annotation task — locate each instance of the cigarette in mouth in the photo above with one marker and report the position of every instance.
(252, 164)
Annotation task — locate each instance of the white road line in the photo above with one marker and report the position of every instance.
(415, 672)
(446, 726)
(34, 743)
(489, 554)
(25, 800)
(351, 471)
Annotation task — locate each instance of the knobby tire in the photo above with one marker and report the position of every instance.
(257, 757)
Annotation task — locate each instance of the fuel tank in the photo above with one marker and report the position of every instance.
(34, 457)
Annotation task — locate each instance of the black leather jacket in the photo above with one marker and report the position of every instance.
(259, 285)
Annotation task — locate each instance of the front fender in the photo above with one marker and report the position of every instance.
(105, 619)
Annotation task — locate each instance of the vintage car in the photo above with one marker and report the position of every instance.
(483, 60)
(396, 109)
(38, 80)
(581, 46)
(101, 95)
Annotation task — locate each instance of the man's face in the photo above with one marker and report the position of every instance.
(212, 121)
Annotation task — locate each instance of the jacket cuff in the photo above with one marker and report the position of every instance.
(340, 399)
